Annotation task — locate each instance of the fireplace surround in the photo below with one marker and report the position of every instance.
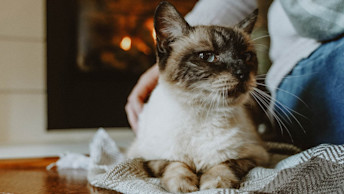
(96, 51)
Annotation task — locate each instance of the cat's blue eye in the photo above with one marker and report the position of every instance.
(208, 56)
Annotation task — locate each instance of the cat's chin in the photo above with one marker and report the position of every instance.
(240, 100)
(219, 101)
(237, 96)
(212, 98)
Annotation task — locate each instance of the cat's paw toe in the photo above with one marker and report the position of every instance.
(185, 187)
(182, 184)
(217, 182)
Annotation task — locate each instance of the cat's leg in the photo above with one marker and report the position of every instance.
(226, 175)
(175, 176)
(156, 167)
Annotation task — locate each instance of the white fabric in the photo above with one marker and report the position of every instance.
(108, 169)
(287, 48)
(71, 161)
(103, 152)
(220, 12)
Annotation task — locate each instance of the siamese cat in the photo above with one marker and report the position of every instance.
(195, 131)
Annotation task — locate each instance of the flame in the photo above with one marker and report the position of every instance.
(142, 46)
(150, 26)
(125, 43)
(154, 35)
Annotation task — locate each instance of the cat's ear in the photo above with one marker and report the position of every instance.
(169, 24)
(248, 23)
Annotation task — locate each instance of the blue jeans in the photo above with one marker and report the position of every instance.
(312, 95)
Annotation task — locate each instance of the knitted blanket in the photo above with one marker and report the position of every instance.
(316, 170)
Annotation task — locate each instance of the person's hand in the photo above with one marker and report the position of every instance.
(139, 95)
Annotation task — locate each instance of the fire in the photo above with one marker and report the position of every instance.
(150, 26)
(125, 43)
(154, 35)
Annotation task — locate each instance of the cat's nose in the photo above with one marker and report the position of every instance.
(240, 70)
(239, 73)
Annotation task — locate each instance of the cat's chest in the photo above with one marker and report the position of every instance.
(171, 131)
(165, 117)
(197, 143)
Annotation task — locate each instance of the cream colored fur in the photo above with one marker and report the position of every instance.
(172, 129)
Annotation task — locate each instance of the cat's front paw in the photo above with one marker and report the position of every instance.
(217, 182)
(219, 176)
(181, 184)
(178, 177)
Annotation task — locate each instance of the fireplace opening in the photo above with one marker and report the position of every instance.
(96, 51)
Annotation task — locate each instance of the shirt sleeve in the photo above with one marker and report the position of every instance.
(317, 19)
(220, 12)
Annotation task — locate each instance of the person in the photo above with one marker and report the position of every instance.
(306, 78)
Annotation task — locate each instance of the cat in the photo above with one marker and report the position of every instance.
(195, 131)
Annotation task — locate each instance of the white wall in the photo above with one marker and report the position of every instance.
(22, 78)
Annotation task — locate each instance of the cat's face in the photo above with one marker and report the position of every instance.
(207, 62)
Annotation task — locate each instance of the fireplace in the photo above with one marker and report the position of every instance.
(96, 51)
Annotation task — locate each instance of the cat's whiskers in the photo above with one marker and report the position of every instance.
(284, 109)
(271, 114)
(257, 99)
(262, 45)
(261, 50)
(279, 89)
(209, 106)
(259, 79)
(224, 96)
(260, 37)
(280, 106)
(264, 106)
(263, 76)
(267, 100)
(217, 100)
(218, 94)
(263, 99)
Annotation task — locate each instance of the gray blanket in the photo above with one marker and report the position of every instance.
(316, 170)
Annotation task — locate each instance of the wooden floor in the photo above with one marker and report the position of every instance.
(30, 176)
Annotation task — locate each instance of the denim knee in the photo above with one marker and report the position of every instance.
(310, 99)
